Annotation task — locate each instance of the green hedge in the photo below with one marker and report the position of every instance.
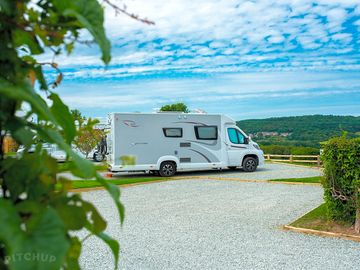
(287, 150)
(341, 158)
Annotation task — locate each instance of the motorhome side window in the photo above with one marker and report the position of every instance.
(173, 132)
(235, 136)
(206, 132)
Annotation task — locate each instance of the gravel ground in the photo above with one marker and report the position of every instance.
(265, 172)
(209, 224)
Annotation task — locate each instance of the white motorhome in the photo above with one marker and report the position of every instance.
(169, 142)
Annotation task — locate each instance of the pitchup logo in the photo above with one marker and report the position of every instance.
(130, 123)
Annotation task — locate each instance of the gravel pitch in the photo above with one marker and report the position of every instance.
(209, 224)
(265, 172)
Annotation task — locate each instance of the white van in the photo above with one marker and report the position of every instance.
(53, 150)
(172, 141)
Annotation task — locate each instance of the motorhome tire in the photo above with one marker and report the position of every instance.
(167, 169)
(98, 157)
(249, 164)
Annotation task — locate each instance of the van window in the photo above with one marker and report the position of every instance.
(206, 132)
(173, 132)
(235, 136)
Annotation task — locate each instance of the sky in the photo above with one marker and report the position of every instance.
(246, 59)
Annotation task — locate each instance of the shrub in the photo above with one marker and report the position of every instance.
(341, 158)
(287, 150)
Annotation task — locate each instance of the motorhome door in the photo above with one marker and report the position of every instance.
(236, 146)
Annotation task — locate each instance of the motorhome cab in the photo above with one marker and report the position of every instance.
(171, 142)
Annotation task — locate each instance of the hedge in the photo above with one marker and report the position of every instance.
(341, 182)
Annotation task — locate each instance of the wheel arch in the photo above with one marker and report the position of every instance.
(167, 158)
(250, 155)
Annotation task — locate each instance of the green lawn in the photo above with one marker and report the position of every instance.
(93, 183)
(316, 179)
(317, 220)
(99, 167)
(318, 214)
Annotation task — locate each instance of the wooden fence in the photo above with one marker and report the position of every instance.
(294, 158)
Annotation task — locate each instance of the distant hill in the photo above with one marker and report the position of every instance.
(308, 130)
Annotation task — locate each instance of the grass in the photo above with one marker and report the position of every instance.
(317, 219)
(92, 183)
(317, 214)
(99, 167)
(316, 179)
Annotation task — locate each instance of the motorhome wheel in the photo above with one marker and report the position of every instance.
(98, 157)
(249, 164)
(167, 169)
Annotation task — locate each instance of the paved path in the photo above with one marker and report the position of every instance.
(209, 224)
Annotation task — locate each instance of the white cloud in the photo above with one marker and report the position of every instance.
(209, 36)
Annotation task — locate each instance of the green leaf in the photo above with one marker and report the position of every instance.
(84, 168)
(24, 136)
(72, 260)
(91, 16)
(6, 6)
(40, 77)
(10, 232)
(98, 223)
(114, 192)
(74, 217)
(26, 93)
(24, 38)
(113, 245)
(48, 239)
(63, 117)
(42, 248)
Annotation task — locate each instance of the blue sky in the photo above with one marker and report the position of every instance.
(247, 59)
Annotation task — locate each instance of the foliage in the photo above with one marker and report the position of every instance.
(341, 158)
(317, 214)
(176, 107)
(87, 139)
(37, 220)
(317, 219)
(287, 150)
(122, 181)
(315, 179)
(87, 136)
(307, 131)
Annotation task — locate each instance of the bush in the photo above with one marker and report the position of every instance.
(341, 158)
(287, 150)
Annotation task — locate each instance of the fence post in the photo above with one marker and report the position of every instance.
(291, 158)
(318, 160)
(268, 156)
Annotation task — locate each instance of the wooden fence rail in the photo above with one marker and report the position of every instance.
(294, 158)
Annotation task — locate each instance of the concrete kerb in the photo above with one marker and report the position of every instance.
(322, 233)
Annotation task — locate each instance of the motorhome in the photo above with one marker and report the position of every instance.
(169, 142)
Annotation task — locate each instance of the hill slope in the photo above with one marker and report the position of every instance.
(308, 130)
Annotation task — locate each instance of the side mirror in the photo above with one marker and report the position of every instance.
(246, 140)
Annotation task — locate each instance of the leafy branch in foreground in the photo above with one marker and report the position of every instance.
(37, 218)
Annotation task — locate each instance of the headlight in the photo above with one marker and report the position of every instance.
(256, 146)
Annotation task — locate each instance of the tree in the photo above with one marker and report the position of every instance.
(87, 137)
(37, 213)
(176, 107)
